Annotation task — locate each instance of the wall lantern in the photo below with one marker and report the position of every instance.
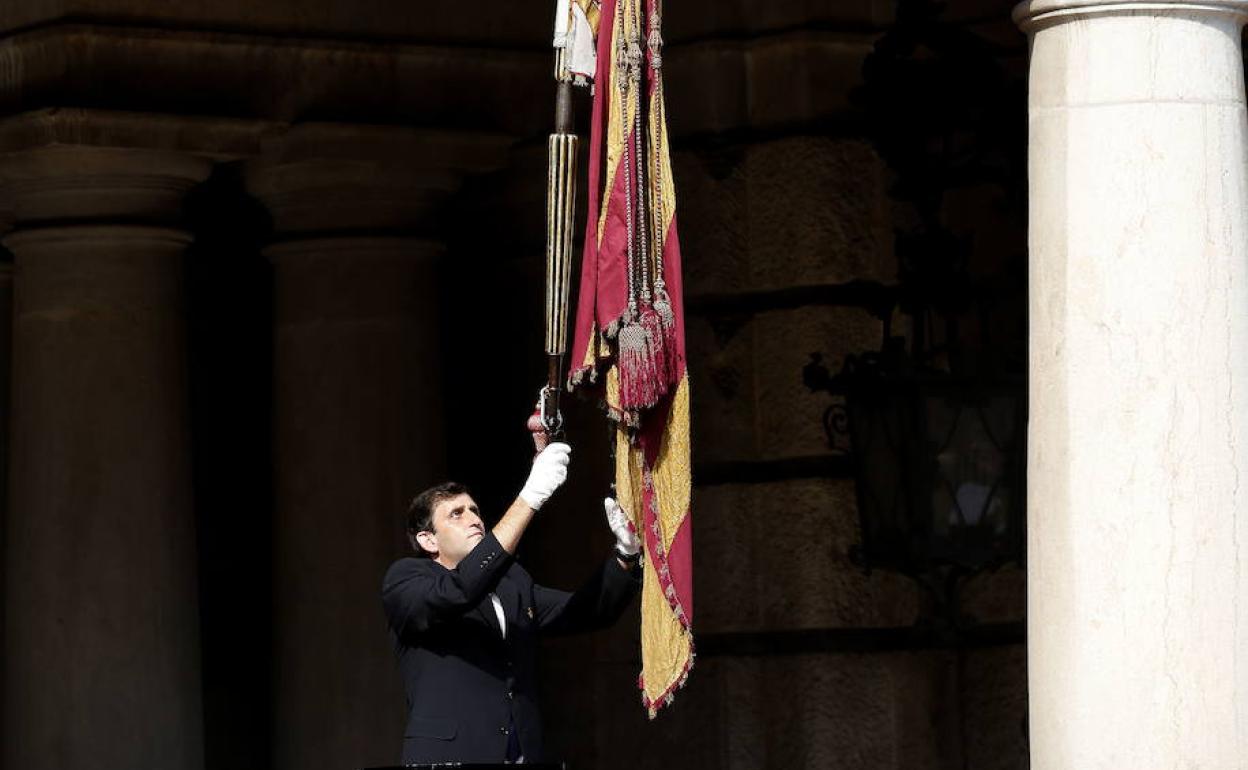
(938, 463)
(934, 424)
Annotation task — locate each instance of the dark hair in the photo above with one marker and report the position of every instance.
(420, 511)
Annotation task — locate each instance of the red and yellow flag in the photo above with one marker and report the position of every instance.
(629, 340)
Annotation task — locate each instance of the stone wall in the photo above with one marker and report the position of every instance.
(779, 189)
(365, 311)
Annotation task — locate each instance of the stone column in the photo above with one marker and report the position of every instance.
(101, 663)
(1138, 457)
(358, 418)
(6, 354)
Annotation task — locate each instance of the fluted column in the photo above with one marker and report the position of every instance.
(101, 663)
(359, 425)
(1138, 459)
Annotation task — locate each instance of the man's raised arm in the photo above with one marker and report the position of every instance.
(550, 469)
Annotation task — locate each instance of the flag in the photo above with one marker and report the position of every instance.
(629, 338)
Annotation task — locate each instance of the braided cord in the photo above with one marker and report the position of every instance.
(622, 54)
(637, 147)
(657, 121)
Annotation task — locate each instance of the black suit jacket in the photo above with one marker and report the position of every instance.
(467, 686)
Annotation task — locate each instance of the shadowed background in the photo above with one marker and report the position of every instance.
(273, 268)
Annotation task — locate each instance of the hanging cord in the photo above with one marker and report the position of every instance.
(634, 347)
(626, 64)
(654, 383)
(636, 147)
(670, 371)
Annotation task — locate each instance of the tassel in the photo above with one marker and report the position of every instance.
(641, 384)
(660, 353)
(633, 357)
(667, 322)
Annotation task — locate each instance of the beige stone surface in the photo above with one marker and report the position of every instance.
(358, 421)
(236, 75)
(721, 373)
(759, 16)
(926, 709)
(818, 213)
(996, 597)
(325, 176)
(712, 209)
(688, 734)
(995, 223)
(747, 372)
(574, 702)
(882, 711)
(1138, 627)
(76, 183)
(386, 19)
(214, 138)
(774, 557)
(512, 200)
(6, 359)
(995, 707)
(99, 353)
(761, 83)
(790, 212)
(101, 621)
(499, 23)
(355, 431)
(789, 414)
(351, 396)
(774, 81)
(809, 710)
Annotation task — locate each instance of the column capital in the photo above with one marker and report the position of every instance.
(1034, 14)
(338, 178)
(89, 184)
(1101, 53)
(101, 236)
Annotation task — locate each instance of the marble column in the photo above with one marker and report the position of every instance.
(1138, 458)
(102, 662)
(358, 422)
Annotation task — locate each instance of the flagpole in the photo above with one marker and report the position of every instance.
(560, 207)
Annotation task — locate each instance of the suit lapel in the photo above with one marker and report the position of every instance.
(486, 610)
(509, 599)
(507, 594)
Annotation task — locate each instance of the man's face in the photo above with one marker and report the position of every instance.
(457, 528)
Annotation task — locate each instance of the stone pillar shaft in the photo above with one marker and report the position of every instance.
(357, 429)
(101, 633)
(6, 357)
(358, 413)
(1138, 456)
(102, 624)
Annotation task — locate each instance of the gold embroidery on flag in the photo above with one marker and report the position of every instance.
(665, 648)
(620, 117)
(671, 475)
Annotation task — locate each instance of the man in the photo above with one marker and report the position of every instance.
(466, 617)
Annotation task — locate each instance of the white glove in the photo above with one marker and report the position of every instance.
(550, 469)
(626, 540)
